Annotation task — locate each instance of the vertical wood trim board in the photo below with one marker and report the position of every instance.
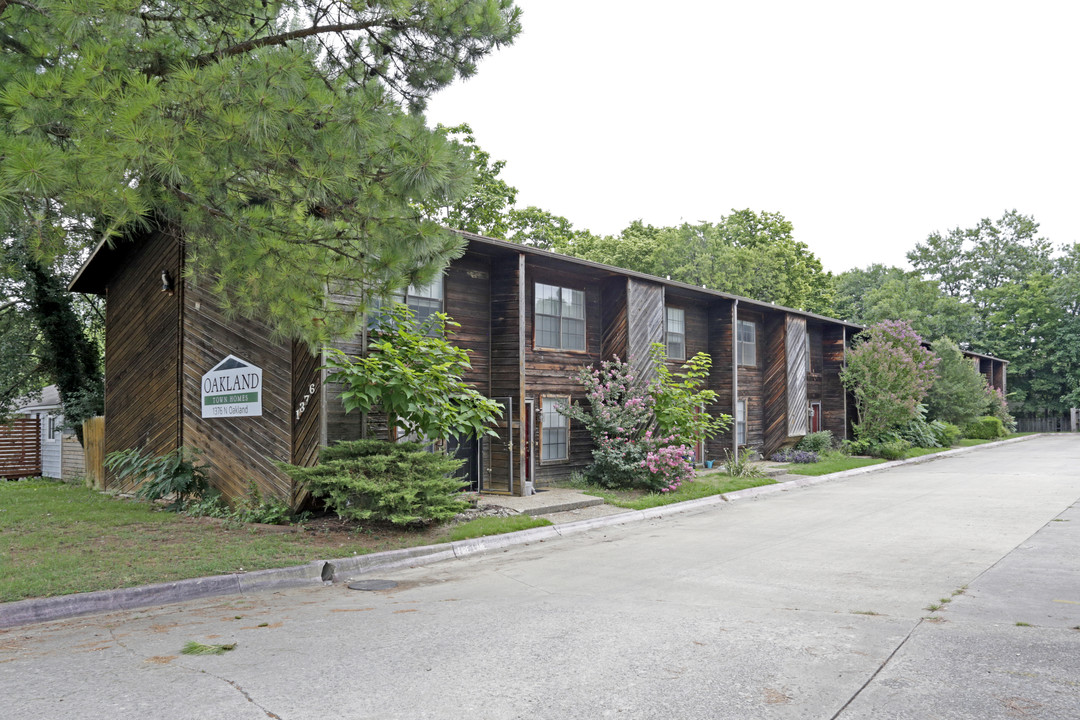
(798, 422)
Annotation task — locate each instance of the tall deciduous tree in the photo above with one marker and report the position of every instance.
(958, 394)
(746, 253)
(284, 138)
(1019, 297)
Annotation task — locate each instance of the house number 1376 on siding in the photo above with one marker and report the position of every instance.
(303, 403)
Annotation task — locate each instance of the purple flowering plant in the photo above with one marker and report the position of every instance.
(889, 372)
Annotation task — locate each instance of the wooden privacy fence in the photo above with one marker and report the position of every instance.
(20, 448)
(1045, 423)
(94, 451)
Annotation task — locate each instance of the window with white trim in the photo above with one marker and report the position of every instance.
(676, 333)
(740, 423)
(426, 300)
(747, 342)
(559, 316)
(554, 429)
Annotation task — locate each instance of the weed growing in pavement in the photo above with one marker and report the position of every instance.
(934, 607)
(1022, 624)
(864, 612)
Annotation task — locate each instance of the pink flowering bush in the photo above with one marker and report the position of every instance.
(668, 466)
(889, 372)
(619, 415)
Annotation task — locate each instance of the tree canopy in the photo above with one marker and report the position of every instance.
(285, 138)
(998, 288)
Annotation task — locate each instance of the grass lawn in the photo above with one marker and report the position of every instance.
(57, 539)
(831, 464)
(706, 484)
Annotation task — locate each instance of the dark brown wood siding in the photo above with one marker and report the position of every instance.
(142, 335)
(306, 400)
(833, 407)
(774, 384)
(615, 341)
(467, 301)
(242, 450)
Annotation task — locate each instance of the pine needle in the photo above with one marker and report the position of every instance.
(196, 648)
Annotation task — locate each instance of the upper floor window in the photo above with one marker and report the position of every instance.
(676, 333)
(425, 300)
(809, 363)
(560, 317)
(747, 342)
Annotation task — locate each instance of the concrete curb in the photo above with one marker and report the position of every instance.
(321, 572)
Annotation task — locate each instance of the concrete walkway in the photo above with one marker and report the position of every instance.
(810, 603)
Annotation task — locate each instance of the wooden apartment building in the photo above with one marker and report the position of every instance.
(530, 319)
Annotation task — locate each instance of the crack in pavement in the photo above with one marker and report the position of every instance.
(878, 671)
(247, 696)
(236, 686)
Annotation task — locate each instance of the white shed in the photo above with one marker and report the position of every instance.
(49, 414)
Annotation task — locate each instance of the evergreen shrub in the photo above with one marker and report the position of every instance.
(377, 481)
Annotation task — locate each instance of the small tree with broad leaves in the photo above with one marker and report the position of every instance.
(415, 376)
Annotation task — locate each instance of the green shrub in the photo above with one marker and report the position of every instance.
(855, 447)
(985, 428)
(816, 442)
(251, 508)
(947, 434)
(257, 508)
(891, 449)
(384, 482)
(174, 474)
(919, 432)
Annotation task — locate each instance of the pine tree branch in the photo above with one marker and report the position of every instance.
(5, 3)
(280, 39)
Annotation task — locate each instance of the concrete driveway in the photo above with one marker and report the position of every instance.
(805, 604)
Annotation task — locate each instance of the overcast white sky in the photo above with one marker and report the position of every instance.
(868, 125)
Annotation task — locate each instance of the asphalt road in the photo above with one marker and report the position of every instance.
(805, 604)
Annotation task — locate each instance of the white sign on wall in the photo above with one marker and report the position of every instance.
(233, 388)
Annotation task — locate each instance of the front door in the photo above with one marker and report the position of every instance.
(815, 417)
(467, 449)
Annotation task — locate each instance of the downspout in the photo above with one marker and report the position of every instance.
(735, 378)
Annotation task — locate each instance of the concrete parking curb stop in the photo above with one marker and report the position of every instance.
(319, 572)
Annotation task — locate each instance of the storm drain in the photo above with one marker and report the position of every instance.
(372, 585)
